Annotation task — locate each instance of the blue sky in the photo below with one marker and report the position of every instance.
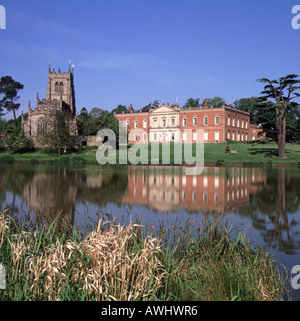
(136, 51)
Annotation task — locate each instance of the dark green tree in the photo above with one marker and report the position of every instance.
(120, 109)
(9, 89)
(18, 142)
(283, 91)
(216, 101)
(82, 118)
(249, 105)
(58, 137)
(191, 102)
(297, 131)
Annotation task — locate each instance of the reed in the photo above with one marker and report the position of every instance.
(131, 263)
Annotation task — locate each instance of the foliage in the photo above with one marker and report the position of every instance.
(81, 119)
(97, 119)
(58, 138)
(297, 131)
(249, 105)
(6, 159)
(120, 109)
(191, 102)
(283, 91)
(216, 101)
(220, 162)
(130, 263)
(9, 88)
(18, 142)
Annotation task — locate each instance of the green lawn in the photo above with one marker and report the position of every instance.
(246, 154)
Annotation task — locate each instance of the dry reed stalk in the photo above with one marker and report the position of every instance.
(116, 270)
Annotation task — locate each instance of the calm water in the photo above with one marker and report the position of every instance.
(263, 201)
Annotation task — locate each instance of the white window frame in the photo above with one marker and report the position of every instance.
(205, 135)
(205, 120)
(217, 135)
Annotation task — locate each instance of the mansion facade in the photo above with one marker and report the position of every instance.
(169, 124)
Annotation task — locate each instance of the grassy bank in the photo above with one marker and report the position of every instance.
(214, 154)
(130, 263)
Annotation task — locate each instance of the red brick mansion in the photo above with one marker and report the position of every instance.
(169, 123)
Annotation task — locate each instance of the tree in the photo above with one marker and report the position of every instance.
(249, 105)
(57, 138)
(120, 109)
(191, 102)
(297, 131)
(9, 88)
(146, 108)
(216, 101)
(18, 142)
(82, 118)
(266, 118)
(283, 91)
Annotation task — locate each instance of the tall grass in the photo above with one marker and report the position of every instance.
(118, 262)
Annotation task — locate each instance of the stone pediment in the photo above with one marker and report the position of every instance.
(164, 109)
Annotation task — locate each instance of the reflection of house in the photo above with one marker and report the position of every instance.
(171, 123)
(217, 190)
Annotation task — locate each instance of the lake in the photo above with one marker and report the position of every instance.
(265, 202)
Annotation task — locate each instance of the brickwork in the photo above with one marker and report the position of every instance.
(167, 123)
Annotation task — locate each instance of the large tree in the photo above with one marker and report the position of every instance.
(191, 102)
(57, 137)
(248, 105)
(9, 88)
(283, 91)
(216, 101)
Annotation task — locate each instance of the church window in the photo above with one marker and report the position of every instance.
(41, 127)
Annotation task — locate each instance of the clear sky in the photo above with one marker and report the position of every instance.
(136, 51)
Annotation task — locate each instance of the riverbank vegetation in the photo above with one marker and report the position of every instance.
(252, 154)
(131, 263)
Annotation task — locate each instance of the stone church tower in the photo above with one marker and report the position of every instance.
(60, 96)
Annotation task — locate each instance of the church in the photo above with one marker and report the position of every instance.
(60, 96)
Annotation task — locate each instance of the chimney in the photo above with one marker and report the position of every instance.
(206, 103)
(131, 109)
(167, 104)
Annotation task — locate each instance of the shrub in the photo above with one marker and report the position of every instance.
(33, 161)
(18, 142)
(220, 162)
(64, 160)
(49, 162)
(77, 160)
(6, 160)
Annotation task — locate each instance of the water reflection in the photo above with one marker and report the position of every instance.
(267, 199)
(217, 190)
